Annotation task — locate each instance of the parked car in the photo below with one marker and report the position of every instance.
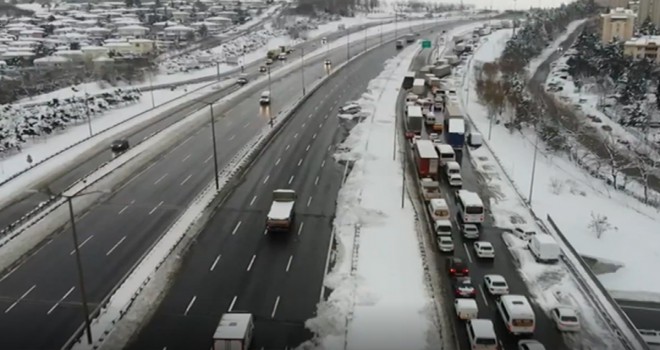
(456, 267)
(446, 244)
(351, 108)
(484, 249)
(566, 319)
(530, 344)
(463, 288)
(470, 231)
(523, 233)
(120, 145)
(496, 284)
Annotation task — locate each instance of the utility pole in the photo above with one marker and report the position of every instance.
(302, 68)
(531, 182)
(348, 47)
(89, 117)
(215, 150)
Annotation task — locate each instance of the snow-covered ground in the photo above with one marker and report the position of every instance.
(385, 299)
(538, 60)
(571, 196)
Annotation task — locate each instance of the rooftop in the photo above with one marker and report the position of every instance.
(644, 41)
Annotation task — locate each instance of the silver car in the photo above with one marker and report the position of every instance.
(470, 231)
(446, 244)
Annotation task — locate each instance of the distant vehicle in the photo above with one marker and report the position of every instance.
(463, 288)
(269, 61)
(484, 249)
(399, 44)
(455, 180)
(566, 319)
(496, 284)
(242, 79)
(530, 344)
(351, 108)
(263, 69)
(456, 267)
(265, 98)
(430, 189)
(410, 38)
(281, 215)
(328, 63)
(470, 207)
(281, 57)
(234, 332)
(445, 244)
(119, 146)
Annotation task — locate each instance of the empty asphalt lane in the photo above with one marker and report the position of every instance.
(645, 315)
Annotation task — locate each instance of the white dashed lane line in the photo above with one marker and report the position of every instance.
(215, 262)
(81, 244)
(238, 224)
(160, 179)
(60, 301)
(251, 262)
(190, 304)
(186, 180)
(291, 179)
(252, 201)
(19, 299)
(300, 228)
(156, 207)
(115, 246)
(266, 179)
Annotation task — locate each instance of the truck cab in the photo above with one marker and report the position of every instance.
(281, 215)
(234, 332)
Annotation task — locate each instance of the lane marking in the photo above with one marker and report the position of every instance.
(251, 262)
(266, 179)
(300, 228)
(238, 224)
(322, 163)
(278, 161)
(317, 107)
(215, 262)
(295, 136)
(61, 300)
(252, 201)
(246, 125)
(467, 252)
(316, 181)
(10, 272)
(313, 137)
(300, 161)
(288, 265)
(483, 295)
(265, 232)
(231, 306)
(287, 147)
(186, 180)
(185, 158)
(115, 246)
(190, 304)
(646, 308)
(81, 244)
(156, 208)
(310, 116)
(207, 159)
(291, 179)
(160, 179)
(309, 201)
(329, 148)
(324, 117)
(122, 209)
(307, 148)
(277, 302)
(21, 298)
(303, 125)
(232, 137)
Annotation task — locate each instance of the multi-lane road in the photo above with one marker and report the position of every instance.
(59, 181)
(40, 296)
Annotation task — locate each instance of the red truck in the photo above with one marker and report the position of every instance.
(426, 158)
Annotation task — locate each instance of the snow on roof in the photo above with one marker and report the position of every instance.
(97, 30)
(52, 59)
(280, 210)
(68, 53)
(144, 41)
(218, 18)
(18, 54)
(134, 27)
(644, 41)
(426, 149)
(117, 45)
(103, 59)
(470, 198)
(233, 326)
(178, 28)
(93, 48)
(456, 125)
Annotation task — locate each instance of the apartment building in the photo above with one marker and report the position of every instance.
(646, 46)
(649, 9)
(618, 25)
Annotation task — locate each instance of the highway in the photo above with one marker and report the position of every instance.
(645, 315)
(90, 160)
(41, 295)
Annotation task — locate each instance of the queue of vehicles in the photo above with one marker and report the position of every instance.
(432, 105)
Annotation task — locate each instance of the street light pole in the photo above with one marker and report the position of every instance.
(81, 278)
(89, 117)
(302, 68)
(151, 90)
(215, 151)
(531, 183)
(365, 39)
(270, 115)
(348, 40)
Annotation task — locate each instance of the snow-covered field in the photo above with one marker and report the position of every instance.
(377, 279)
(571, 196)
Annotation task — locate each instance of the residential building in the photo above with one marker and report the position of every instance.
(646, 46)
(619, 24)
(649, 9)
(634, 6)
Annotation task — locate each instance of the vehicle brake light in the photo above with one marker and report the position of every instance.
(452, 270)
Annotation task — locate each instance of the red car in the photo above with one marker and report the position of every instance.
(463, 288)
(457, 267)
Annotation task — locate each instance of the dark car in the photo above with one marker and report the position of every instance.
(463, 288)
(120, 145)
(242, 79)
(456, 267)
(263, 69)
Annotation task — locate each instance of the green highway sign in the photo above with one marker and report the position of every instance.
(426, 44)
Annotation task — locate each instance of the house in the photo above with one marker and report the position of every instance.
(120, 48)
(91, 53)
(180, 16)
(52, 62)
(646, 46)
(222, 22)
(179, 32)
(98, 32)
(618, 25)
(75, 56)
(136, 31)
(143, 47)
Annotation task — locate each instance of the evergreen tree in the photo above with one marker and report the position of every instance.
(657, 94)
(648, 27)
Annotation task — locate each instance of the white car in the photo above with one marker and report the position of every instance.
(434, 136)
(523, 233)
(484, 249)
(566, 319)
(530, 344)
(455, 180)
(470, 231)
(496, 284)
(446, 244)
(351, 108)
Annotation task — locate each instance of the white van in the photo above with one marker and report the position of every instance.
(265, 98)
(517, 314)
(466, 309)
(452, 167)
(544, 248)
(445, 152)
(481, 334)
(442, 227)
(438, 209)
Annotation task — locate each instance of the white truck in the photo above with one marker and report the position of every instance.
(430, 189)
(544, 248)
(281, 215)
(234, 332)
(419, 87)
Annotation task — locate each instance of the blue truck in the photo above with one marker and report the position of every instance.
(455, 133)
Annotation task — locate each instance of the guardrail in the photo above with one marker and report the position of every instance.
(578, 266)
(630, 339)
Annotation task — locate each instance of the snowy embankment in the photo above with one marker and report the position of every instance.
(534, 64)
(379, 299)
(573, 198)
(561, 191)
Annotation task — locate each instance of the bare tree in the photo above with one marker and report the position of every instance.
(599, 224)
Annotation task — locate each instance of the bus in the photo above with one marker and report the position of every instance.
(470, 207)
